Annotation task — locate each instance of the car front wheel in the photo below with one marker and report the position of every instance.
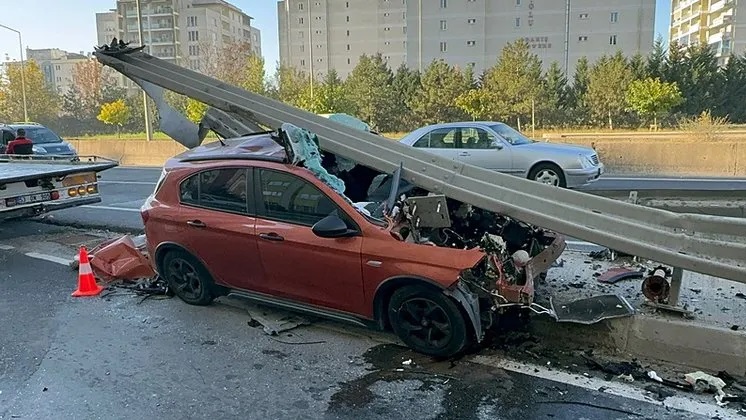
(548, 173)
(428, 321)
(188, 278)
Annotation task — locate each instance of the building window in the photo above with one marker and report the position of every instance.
(348, 61)
(300, 6)
(348, 18)
(193, 35)
(348, 47)
(347, 4)
(471, 43)
(582, 38)
(300, 35)
(318, 46)
(319, 60)
(318, 32)
(194, 50)
(385, 15)
(518, 2)
(614, 17)
(302, 62)
(471, 21)
(583, 16)
(192, 21)
(348, 32)
(300, 20)
(443, 25)
(443, 4)
(443, 47)
(318, 17)
(612, 40)
(302, 48)
(387, 29)
(57, 67)
(517, 22)
(387, 43)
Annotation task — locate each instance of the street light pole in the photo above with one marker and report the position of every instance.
(148, 130)
(23, 71)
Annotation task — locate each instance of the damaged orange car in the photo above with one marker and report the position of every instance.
(271, 218)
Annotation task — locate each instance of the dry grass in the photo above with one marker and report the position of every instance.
(704, 127)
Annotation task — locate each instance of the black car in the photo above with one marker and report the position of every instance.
(46, 141)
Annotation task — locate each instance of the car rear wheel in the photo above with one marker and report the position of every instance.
(548, 173)
(428, 321)
(188, 278)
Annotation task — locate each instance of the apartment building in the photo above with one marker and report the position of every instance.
(319, 35)
(57, 66)
(709, 22)
(179, 30)
(324, 34)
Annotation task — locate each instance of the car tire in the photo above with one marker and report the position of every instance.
(188, 278)
(548, 173)
(428, 321)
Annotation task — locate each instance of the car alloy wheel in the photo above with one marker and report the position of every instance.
(428, 321)
(548, 176)
(188, 279)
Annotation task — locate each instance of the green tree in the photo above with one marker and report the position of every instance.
(195, 110)
(476, 103)
(651, 98)
(732, 98)
(637, 65)
(514, 83)
(42, 101)
(371, 93)
(441, 84)
(114, 113)
(656, 60)
(406, 85)
(608, 80)
(557, 95)
(254, 77)
(580, 113)
(328, 97)
(289, 85)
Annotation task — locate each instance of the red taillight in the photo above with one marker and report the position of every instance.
(55, 195)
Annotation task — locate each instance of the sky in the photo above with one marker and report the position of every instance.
(70, 25)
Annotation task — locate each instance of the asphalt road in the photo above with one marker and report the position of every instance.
(119, 357)
(125, 188)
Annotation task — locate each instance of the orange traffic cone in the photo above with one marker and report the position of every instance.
(87, 285)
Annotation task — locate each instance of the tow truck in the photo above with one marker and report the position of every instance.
(31, 185)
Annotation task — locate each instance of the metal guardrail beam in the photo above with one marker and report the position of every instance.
(682, 240)
(672, 194)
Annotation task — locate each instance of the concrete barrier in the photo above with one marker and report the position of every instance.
(672, 155)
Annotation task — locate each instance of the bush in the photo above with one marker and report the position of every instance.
(704, 127)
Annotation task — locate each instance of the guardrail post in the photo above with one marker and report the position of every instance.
(676, 279)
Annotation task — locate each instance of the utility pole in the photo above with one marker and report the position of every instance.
(148, 128)
(23, 72)
(310, 48)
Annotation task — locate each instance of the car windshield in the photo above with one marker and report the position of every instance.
(41, 135)
(512, 136)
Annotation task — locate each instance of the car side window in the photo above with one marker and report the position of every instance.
(477, 138)
(440, 138)
(292, 199)
(8, 137)
(217, 189)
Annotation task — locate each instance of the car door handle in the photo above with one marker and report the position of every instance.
(271, 237)
(196, 223)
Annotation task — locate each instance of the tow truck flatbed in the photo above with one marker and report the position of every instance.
(32, 185)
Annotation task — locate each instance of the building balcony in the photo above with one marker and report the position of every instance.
(721, 21)
(720, 5)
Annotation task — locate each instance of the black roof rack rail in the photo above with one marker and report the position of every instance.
(233, 157)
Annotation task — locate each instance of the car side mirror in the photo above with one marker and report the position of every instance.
(497, 146)
(332, 226)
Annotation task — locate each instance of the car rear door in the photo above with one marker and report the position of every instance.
(218, 225)
(441, 141)
(480, 147)
(298, 264)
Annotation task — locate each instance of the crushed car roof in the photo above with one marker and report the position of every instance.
(257, 146)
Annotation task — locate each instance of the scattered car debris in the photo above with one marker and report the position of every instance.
(617, 274)
(274, 322)
(741, 295)
(592, 310)
(124, 258)
(407, 362)
(654, 376)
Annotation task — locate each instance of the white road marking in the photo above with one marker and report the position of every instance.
(613, 178)
(51, 258)
(112, 208)
(127, 182)
(6, 247)
(615, 388)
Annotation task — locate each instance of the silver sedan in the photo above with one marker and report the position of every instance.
(497, 146)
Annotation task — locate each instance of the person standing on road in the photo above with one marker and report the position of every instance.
(21, 145)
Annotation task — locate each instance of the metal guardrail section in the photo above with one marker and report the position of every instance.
(682, 240)
(673, 194)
